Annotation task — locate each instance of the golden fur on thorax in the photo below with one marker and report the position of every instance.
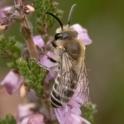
(74, 47)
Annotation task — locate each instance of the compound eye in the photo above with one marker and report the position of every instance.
(58, 36)
(65, 35)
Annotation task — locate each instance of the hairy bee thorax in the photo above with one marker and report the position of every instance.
(69, 42)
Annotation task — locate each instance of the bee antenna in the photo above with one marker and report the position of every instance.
(70, 13)
(59, 21)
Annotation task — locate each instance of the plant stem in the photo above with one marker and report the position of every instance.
(26, 30)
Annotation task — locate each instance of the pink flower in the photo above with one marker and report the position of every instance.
(44, 59)
(46, 62)
(4, 20)
(82, 34)
(12, 81)
(2, 17)
(7, 9)
(26, 115)
(71, 113)
(5, 15)
(24, 110)
(45, 56)
(36, 119)
(8, 14)
(38, 41)
(68, 117)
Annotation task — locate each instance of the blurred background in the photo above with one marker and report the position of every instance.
(104, 20)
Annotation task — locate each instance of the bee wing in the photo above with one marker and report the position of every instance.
(68, 77)
(82, 86)
(72, 80)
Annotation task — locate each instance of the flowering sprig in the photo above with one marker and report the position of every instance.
(32, 70)
(10, 14)
(25, 74)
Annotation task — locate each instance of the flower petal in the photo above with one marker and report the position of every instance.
(3, 19)
(82, 34)
(78, 120)
(51, 75)
(4, 12)
(50, 65)
(36, 119)
(46, 62)
(38, 40)
(7, 9)
(26, 115)
(65, 116)
(25, 110)
(24, 121)
(12, 81)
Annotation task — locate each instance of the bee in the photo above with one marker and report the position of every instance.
(72, 71)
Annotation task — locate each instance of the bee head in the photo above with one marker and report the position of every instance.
(64, 32)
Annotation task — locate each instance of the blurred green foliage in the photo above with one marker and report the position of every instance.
(88, 111)
(44, 22)
(33, 74)
(10, 49)
(8, 120)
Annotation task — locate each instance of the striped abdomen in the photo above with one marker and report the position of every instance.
(62, 92)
